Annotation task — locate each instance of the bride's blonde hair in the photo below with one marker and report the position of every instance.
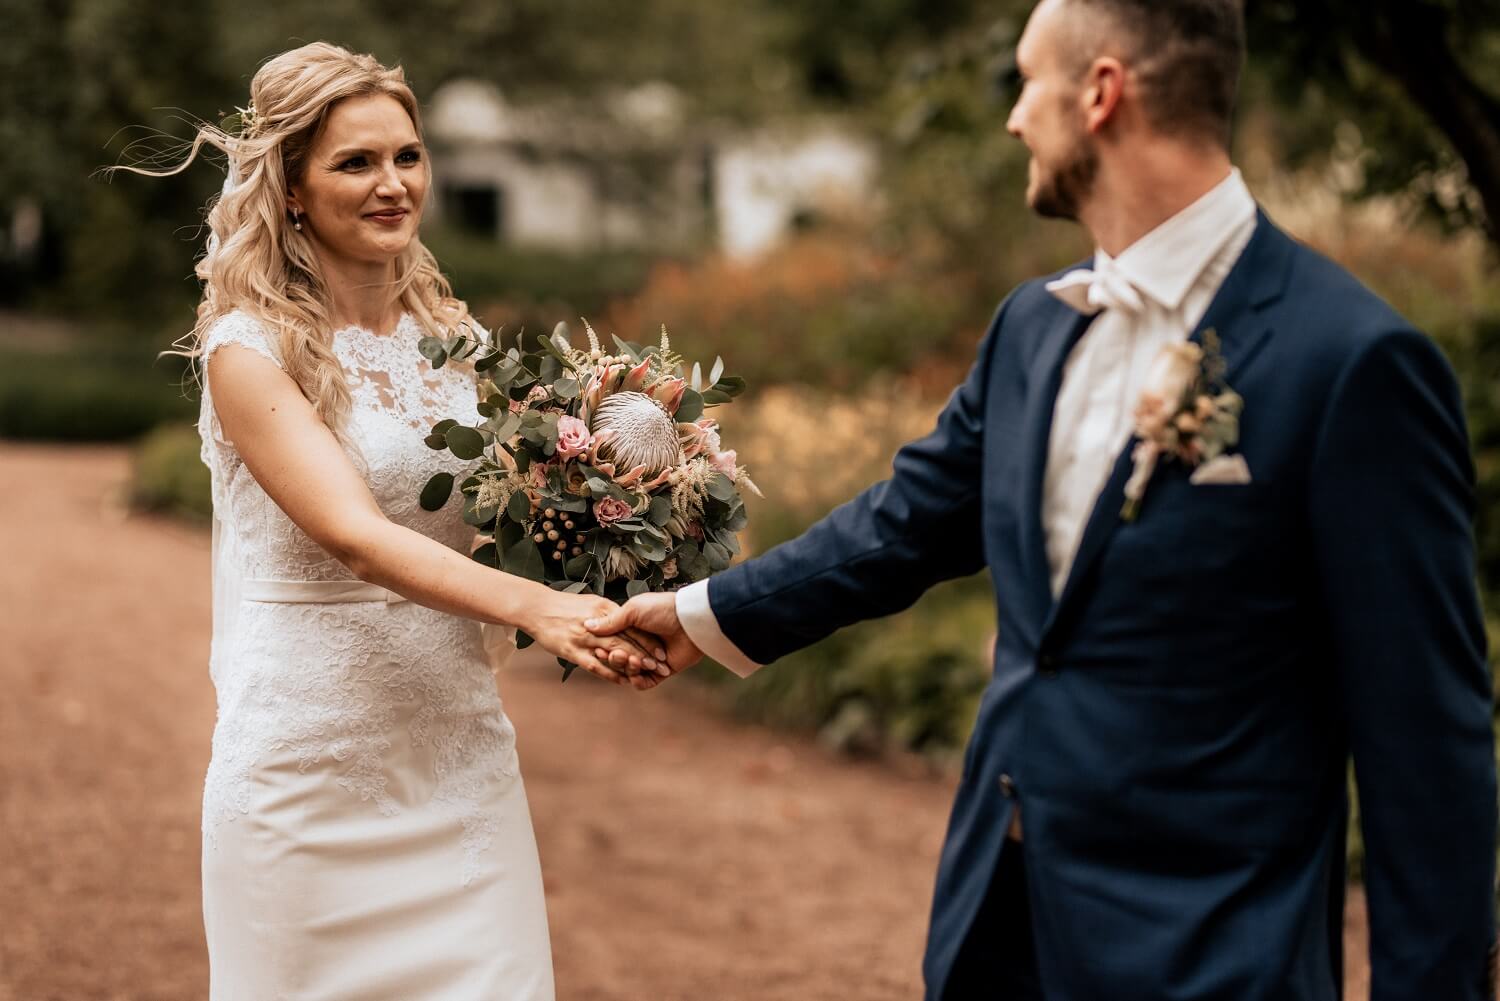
(256, 261)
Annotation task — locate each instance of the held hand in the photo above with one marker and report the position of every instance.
(557, 624)
(655, 614)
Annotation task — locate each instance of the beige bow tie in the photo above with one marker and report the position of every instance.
(1102, 288)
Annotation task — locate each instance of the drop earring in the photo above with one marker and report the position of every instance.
(296, 222)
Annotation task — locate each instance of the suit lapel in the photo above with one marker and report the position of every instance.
(1256, 278)
(1044, 381)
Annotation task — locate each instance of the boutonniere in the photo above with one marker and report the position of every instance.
(1186, 413)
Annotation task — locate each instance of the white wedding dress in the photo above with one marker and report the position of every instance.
(366, 833)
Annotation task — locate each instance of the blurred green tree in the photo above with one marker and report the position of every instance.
(1421, 80)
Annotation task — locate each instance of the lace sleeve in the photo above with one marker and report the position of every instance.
(234, 328)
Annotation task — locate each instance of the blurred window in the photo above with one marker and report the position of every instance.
(476, 208)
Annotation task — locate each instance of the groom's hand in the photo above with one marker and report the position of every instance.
(656, 614)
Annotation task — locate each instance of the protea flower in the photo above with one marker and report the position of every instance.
(636, 431)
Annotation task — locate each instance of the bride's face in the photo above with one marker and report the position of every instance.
(361, 192)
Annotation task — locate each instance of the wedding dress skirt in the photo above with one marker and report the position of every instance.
(365, 828)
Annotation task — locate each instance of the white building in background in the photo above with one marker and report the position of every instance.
(630, 170)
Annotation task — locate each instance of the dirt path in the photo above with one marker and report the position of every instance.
(686, 857)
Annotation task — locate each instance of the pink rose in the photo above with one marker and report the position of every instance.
(539, 471)
(726, 463)
(573, 438)
(610, 510)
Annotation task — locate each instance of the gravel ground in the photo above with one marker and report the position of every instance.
(686, 856)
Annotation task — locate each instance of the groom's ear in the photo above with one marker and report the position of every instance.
(1103, 89)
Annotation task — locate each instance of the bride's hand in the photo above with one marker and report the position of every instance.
(556, 623)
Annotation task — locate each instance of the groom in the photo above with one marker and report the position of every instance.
(1153, 802)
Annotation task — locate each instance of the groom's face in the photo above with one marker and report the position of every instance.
(1049, 118)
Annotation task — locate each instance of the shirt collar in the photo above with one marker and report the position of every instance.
(1167, 262)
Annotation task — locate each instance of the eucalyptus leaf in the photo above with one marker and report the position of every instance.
(476, 515)
(627, 349)
(523, 639)
(715, 397)
(717, 555)
(488, 362)
(731, 385)
(488, 554)
(636, 587)
(436, 441)
(721, 487)
(524, 559)
(738, 519)
(691, 407)
(433, 350)
(565, 388)
(503, 426)
(650, 549)
(578, 566)
(437, 491)
(511, 533)
(568, 668)
(442, 426)
(661, 510)
(519, 507)
(465, 442)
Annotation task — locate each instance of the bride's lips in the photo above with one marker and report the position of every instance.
(387, 217)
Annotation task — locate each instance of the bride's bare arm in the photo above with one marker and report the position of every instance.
(299, 463)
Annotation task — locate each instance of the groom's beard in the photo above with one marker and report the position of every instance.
(1060, 193)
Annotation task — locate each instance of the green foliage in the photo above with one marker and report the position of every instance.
(534, 288)
(89, 394)
(910, 682)
(168, 476)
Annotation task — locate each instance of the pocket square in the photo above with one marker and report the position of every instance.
(1226, 470)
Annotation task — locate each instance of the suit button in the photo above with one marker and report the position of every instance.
(1007, 786)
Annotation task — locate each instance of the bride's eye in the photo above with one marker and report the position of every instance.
(353, 163)
(409, 156)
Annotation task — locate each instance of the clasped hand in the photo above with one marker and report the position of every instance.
(640, 644)
(653, 615)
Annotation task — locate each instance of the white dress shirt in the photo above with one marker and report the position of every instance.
(1155, 293)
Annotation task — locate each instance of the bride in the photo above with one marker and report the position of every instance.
(366, 832)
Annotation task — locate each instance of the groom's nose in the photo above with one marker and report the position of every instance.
(1013, 123)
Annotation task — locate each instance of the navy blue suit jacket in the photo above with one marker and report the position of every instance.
(1178, 723)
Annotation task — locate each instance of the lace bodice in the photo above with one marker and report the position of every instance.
(335, 681)
(397, 396)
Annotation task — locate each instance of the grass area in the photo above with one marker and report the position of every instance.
(68, 392)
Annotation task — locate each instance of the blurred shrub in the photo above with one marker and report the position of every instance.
(513, 286)
(167, 475)
(824, 310)
(89, 394)
(911, 681)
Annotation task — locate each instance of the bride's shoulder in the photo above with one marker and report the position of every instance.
(243, 328)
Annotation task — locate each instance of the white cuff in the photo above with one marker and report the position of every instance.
(702, 627)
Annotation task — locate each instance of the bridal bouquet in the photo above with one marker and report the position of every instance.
(594, 470)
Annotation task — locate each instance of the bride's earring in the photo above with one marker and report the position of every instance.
(296, 221)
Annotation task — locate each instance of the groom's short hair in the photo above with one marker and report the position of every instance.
(1188, 55)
